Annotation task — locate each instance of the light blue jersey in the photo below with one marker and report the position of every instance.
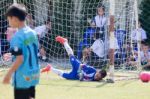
(25, 43)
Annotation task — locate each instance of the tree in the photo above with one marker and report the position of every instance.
(145, 16)
(70, 18)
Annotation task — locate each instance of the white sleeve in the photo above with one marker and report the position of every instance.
(149, 55)
(142, 54)
(94, 46)
(144, 36)
(108, 21)
(40, 29)
(133, 35)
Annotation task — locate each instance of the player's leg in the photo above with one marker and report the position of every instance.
(74, 72)
(32, 92)
(57, 71)
(112, 48)
(43, 54)
(74, 61)
(71, 75)
(54, 70)
(111, 66)
(64, 42)
(75, 64)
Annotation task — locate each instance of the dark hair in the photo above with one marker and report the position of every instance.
(145, 42)
(101, 6)
(103, 73)
(99, 33)
(17, 10)
(47, 21)
(140, 20)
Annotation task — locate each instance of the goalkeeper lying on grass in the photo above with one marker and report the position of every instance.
(79, 71)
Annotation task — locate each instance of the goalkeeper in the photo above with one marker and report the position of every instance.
(79, 71)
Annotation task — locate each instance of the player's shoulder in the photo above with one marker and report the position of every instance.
(97, 16)
(29, 31)
(141, 53)
(17, 38)
(97, 41)
(40, 27)
(149, 52)
(17, 35)
(142, 30)
(33, 31)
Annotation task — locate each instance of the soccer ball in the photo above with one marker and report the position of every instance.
(145, 77)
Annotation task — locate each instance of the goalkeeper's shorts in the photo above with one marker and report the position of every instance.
(73, 75)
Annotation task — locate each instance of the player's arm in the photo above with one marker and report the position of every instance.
(85, 67)
(91, 22)
(15, 66)
(15, 50)
(146, 65)
(86, 52)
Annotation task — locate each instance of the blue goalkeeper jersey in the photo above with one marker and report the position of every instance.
(25, 43)
(88, 73)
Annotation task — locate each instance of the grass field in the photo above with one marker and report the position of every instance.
(53, 87)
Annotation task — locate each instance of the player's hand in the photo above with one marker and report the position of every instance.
(7, 79)
(89, 20)
(7, 56)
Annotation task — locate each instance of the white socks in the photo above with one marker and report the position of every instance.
(111, 72)
(57, 71)
(68, 48)
(44, 57)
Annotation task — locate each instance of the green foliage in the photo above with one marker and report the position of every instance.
(29, 5)
(89, 10)
(145, 16)
(62, 21)
(63, 10)
(68, 22)
(4, 4)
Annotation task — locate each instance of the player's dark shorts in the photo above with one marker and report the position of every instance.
(24, 93)
(73, 75)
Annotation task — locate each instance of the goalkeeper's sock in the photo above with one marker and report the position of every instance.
(57, 71)
(60, 39)
(64, 41)
(46, 69)
(68, 48)
(111, 72)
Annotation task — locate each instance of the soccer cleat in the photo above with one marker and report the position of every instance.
(110, 81)
(60, 39)
(46, 69)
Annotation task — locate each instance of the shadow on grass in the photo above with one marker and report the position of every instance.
(129, 82)
(102, 84)
(75, 85)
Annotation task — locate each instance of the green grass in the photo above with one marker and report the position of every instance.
(53, 87)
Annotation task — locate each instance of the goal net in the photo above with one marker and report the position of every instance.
(79, 21)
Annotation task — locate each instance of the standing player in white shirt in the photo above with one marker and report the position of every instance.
(141, 36)
(42, 31)
(99, 21)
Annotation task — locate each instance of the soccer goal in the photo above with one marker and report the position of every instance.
(73, 19)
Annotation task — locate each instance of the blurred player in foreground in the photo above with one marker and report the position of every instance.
(24, 49)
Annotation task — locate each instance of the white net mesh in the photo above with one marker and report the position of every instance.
(74, 19)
